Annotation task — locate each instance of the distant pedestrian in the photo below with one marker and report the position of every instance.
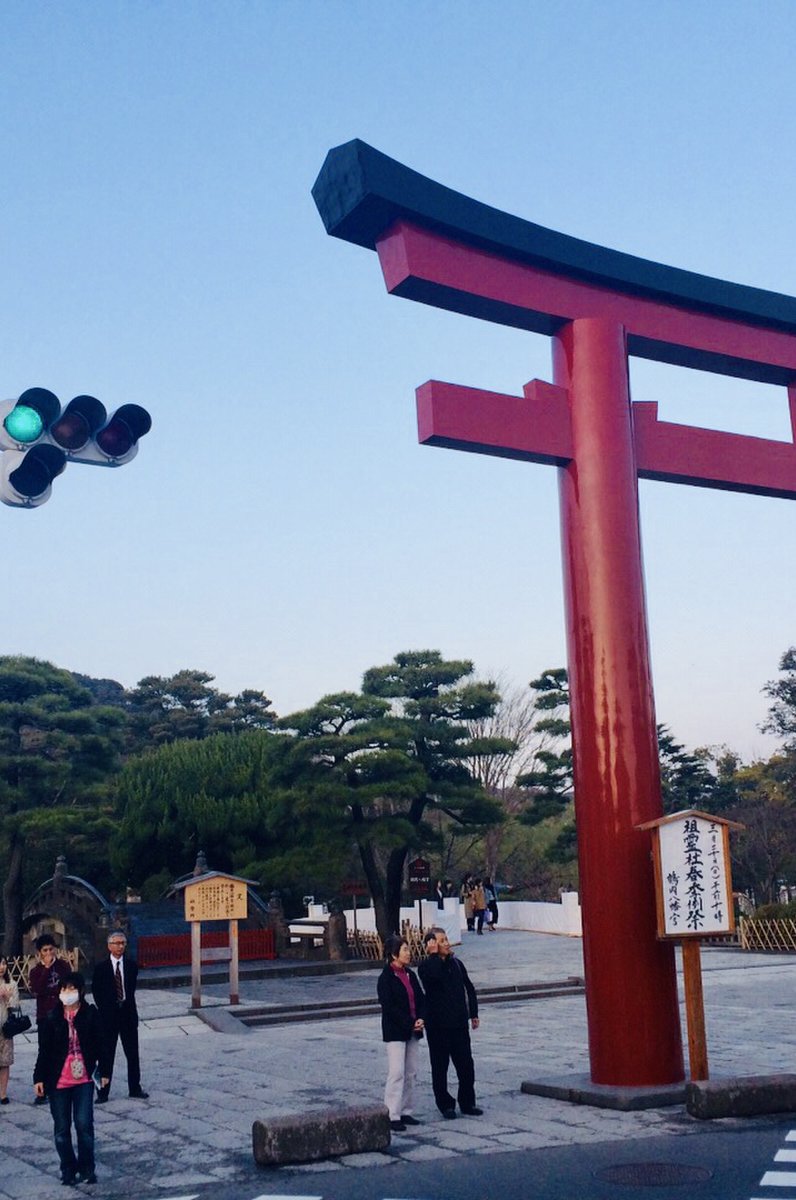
(113, 987)
(70, 1051)
(466, 898)
(479, 905)
(44, 983)
(451, 1010)
(491, 902)
(402, 1007)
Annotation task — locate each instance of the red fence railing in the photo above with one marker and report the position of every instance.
(174, 950)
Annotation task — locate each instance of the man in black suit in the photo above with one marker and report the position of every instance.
(451, 1009)
(113, 988)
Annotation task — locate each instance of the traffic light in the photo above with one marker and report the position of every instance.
(37, 440)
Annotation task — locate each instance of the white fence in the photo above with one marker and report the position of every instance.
(562, 918)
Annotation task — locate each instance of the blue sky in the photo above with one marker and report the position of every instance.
(281, 527)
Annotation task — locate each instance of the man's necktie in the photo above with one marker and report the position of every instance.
(119, 985)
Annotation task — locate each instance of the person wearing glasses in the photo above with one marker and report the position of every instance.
(113, 989)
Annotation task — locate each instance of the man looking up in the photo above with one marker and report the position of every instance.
(113, 988)
(451, 1003)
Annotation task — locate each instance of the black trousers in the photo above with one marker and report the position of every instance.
(115, 1028)
(447, 1046)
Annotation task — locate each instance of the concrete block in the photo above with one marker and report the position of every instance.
(744, 1096)
(326, 1133)
(579, 1089)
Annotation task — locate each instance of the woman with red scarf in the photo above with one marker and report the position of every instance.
(402, 1010)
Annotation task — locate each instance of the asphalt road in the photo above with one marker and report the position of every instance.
(724, 1162)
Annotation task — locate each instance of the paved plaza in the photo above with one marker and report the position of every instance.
(207, 1087)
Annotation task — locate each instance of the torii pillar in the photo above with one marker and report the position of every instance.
(598, 305)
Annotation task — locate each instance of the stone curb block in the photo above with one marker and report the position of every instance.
(220, 1020)
(745, 1096)
(579, 1089)
(326, 1133)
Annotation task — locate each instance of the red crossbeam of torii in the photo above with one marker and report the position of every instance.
(445, 249)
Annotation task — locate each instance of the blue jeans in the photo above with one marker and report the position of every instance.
(68, 1104)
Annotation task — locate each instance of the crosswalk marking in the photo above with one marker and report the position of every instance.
(270, 1196)
(791, 1136)
(785, 1156)
(779, 1179)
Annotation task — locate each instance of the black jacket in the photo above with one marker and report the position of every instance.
(397, 1024)
(54, 1044)
(103, 989)
(450, 996)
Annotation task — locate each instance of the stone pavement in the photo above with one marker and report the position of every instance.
(206, 1087)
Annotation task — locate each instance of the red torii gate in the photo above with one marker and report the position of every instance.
(445, 249)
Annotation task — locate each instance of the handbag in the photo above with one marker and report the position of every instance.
(16, 1022)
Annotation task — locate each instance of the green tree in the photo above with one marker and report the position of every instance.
(781, 719)
(59, 751)
(186, 706)
(549, 782)
(211, 794)
(686, 779)
(764, 851)
(367, 769)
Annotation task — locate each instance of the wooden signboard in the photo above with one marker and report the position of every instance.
(691, 856)
(693, 893)
(419, 877)
(216, 897)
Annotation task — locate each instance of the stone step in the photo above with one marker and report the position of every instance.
(285, 1014)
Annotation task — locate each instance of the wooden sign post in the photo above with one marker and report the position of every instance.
(214, 896)
(419, 884)
(354, 888)
(693, 891)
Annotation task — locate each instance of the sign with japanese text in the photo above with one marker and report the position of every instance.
(216, 899)
(692, 874)
(419, 877)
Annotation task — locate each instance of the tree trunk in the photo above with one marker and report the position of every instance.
(371, 869)
(395, 877)
(12, 897)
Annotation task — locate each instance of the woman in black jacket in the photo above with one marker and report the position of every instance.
(70, 1051)
(402, 1009)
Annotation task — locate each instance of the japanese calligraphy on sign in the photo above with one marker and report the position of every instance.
(217, 898)
(692, 874)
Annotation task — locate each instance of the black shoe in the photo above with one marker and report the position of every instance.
(140, 1094)
(473, 1112)
(397, 1126)
(40, 1100)
(85, 1177)
(5, 1100)
(449, 1114)
(101, 1098)
(410, 1120)
(68, 1180)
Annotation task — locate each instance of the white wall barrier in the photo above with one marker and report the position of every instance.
(562, 918)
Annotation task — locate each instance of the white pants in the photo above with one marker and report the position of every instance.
(401, 1071)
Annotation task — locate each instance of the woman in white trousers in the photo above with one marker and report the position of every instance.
(402, 1010)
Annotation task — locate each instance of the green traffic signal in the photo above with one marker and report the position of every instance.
(24, 424)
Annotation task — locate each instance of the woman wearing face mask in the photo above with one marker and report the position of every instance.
(70, 1050)
(9, 998)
